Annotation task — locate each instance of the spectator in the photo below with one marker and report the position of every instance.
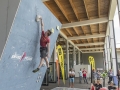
(94, 75)
(98, 74)
(110, 75)
(98, 85)
(80, 76)
(84, 75)
(111, 86)
(71, 77)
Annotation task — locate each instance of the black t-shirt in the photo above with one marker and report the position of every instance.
(98, 86)
(111, 87)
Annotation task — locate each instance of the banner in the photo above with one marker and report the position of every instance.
(92, 61)
(57, 66)
(61, 61)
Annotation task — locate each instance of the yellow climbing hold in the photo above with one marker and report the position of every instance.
(52, 30)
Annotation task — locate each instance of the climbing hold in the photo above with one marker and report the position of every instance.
(58, 28)
(38, 18)
(39, 73)
(39, 77)
(37, 81)
(52, 30)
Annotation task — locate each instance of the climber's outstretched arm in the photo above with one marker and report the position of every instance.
(42, 25)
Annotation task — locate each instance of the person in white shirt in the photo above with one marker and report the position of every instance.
(80, 76)
(71, 77)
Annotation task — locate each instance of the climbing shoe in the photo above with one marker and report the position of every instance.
(37, 69)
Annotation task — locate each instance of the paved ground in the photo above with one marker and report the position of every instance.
(77, 85)
(65, 88)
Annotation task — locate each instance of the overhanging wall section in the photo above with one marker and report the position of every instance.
(24, 37)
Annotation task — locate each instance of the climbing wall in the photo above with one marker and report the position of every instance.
(23, 40)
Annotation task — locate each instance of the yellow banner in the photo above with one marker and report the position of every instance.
(57, 66)
(61, 60)
(92, 61)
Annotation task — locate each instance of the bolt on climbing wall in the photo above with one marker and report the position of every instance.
(21, 54)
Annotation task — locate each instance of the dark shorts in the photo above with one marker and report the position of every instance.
(43, 52)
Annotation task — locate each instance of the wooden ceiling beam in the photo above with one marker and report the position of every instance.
(87, 16)
(64, 13)
(73, 7)
(88, 52)
(99, 17)
(64, 36)
(99, 8)
(61, 8)
(91, 48)
(69, 32)
(76, 30)
(87, 13)
(90, 44)
(76, 41)
(49, 8)
(86, 44)
(93, 51)
(84, 34)
(86, 8)
(76, 14)
(85, 22)
(86, 37)
(83, 30)
(93, 42)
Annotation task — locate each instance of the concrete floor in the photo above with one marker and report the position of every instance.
(77, 86)
(65, 88)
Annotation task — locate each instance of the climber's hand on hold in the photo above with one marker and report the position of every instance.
(38, 18)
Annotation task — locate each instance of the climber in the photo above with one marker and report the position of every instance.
(44, 46)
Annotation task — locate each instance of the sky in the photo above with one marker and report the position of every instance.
(117, 29)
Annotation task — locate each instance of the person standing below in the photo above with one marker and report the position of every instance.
(110, 75)
(111, 86)
(45, 46)
(84, 75)
(80, 76)
(71, 78)
(94, 75)
(98, 74)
